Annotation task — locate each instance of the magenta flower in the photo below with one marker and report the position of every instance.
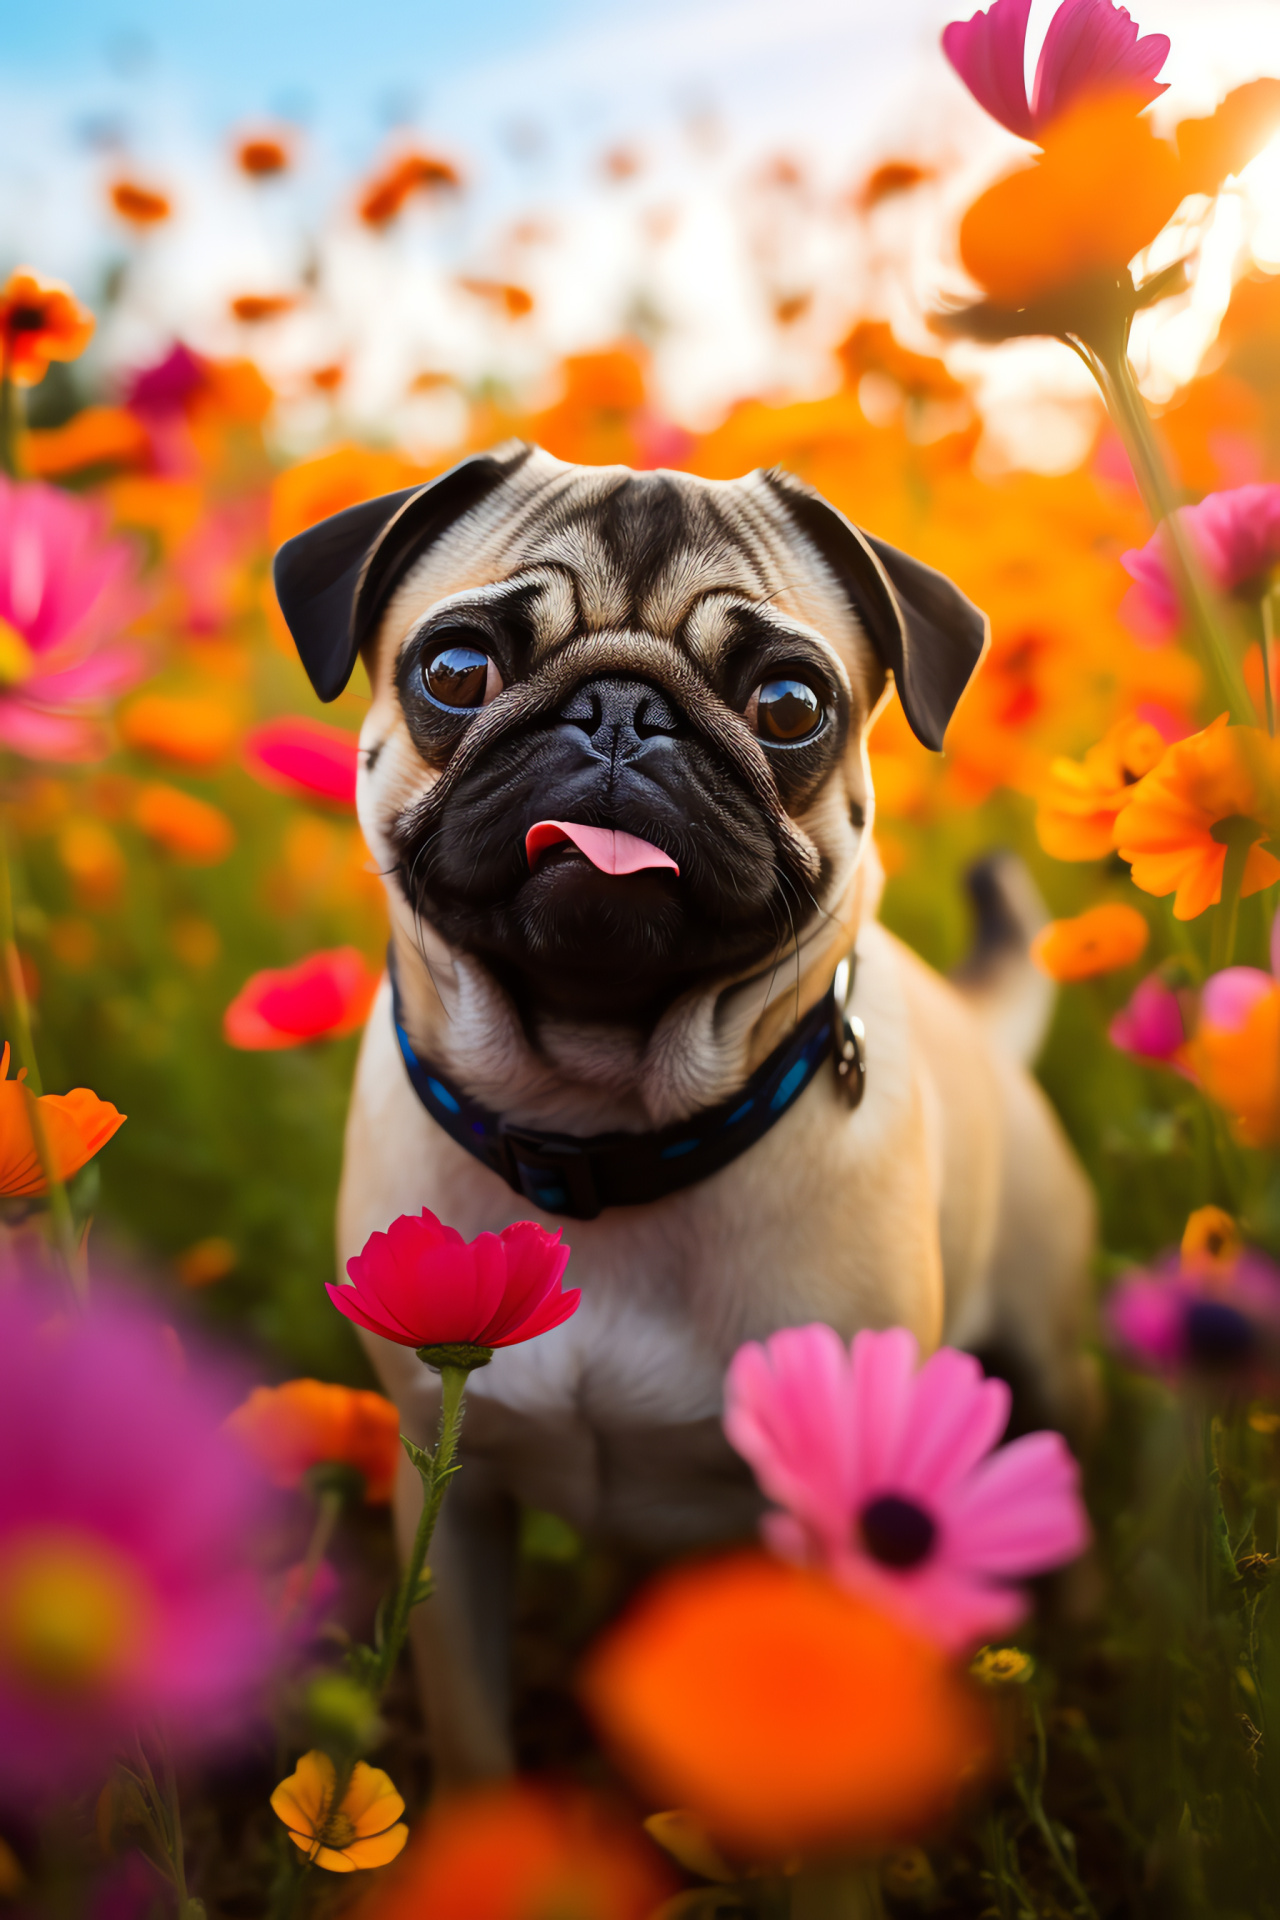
(304, 757)
(1151, 1026)
(66, 594)
(422, 1285)
(887, 1477)
(1237, 537)
(1175, 1321)
(125, 1520)
(1091, 47)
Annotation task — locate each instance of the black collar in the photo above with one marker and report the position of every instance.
(579, 1176)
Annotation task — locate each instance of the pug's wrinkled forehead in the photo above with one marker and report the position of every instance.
(588, 551)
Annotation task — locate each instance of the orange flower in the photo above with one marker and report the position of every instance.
(189, 829)
(1210, 1242)
(261, 155)
(94, 437)
(515, 1851)
(1098, 941)
(255, 307)
(40, 321)
(783, 1713)
(385, 196)
(509, 299)
(140, 206)
(1102, 190)
(1080, 800)
(1169, 828)
(194, 732)
(1239, 1068)
(76, 1125)
(308, 1423)
(92, 859)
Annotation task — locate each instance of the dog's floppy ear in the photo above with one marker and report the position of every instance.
(918, 622)
(333, 581)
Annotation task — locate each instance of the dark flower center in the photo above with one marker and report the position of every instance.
(26, 319)
(896, 1531)
(1217, 1335)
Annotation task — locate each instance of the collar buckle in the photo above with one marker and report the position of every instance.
(554, 1173)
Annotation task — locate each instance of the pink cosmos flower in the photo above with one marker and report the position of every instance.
(66, 594)
(126, 1518)
(422, 1285)
(1091, 47)
(304, 757)
(1176, 1321)
(1237, 536)
(322, 997)
(887, 1477)
(1151, 1026)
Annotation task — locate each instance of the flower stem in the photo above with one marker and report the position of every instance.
(1238, 835)
(328, 1512)
(1268, 639)
(8, 425)
(63, 1226)
(436, 1470)
(1111, 368)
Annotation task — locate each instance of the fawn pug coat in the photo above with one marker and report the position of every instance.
(559, 655)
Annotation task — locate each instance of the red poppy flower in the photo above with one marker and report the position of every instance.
(325, 995)
(422, 1285)
(40, 320)
(304, 757)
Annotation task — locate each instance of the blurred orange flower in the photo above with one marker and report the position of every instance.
(191, 830)
(1080, 799)
(308, 1423)
(324, 996)
(94, 437)
(40, 321)
(509, 299)
(195, 732)
(1210, 1242)
(1168, 829)
(515, 1852)
(1102, 190)
(783, 1713)
(1239, 1068)
(92, 859)
(386, 195)
(76, 1126)
(140, 206)
(262, 155)
(255, 307)
(311, 490)
(1099, 940)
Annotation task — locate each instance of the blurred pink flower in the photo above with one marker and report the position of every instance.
(889, 1481)
(422, 1285)
(1091, 47)
(1237, 536)
(304, 757)
(66, 594)
(1173, 1320)
(125, 1521)
(321, 998)
(1151, 1026)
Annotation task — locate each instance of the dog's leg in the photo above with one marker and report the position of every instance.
(461, 1636)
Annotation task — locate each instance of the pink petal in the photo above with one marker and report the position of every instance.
(1230, 996)
(50, 736)
(956, 1417)
(551, 1312)
(1146, 1317)
(535, 1265)
(884, 1367)
(942, 1603)
(989, 53)
(1020, 1512)
(348, 1300)
(1092, 47)
(787, 1411)
(1151, 1026)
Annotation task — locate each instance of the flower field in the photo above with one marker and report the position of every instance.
(964, 1669)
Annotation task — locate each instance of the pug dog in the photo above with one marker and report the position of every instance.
(615, 773)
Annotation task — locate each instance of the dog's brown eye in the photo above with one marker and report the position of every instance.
(456, 677)
(787, 710)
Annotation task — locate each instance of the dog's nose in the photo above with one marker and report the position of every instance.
(619, 715)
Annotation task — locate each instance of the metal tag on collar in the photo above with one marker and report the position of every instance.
(848, 1038)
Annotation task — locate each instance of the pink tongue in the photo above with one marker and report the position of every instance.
(612, 852)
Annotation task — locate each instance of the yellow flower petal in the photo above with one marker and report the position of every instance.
(378, 1848)
(302, 1800)
(371, 1801)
